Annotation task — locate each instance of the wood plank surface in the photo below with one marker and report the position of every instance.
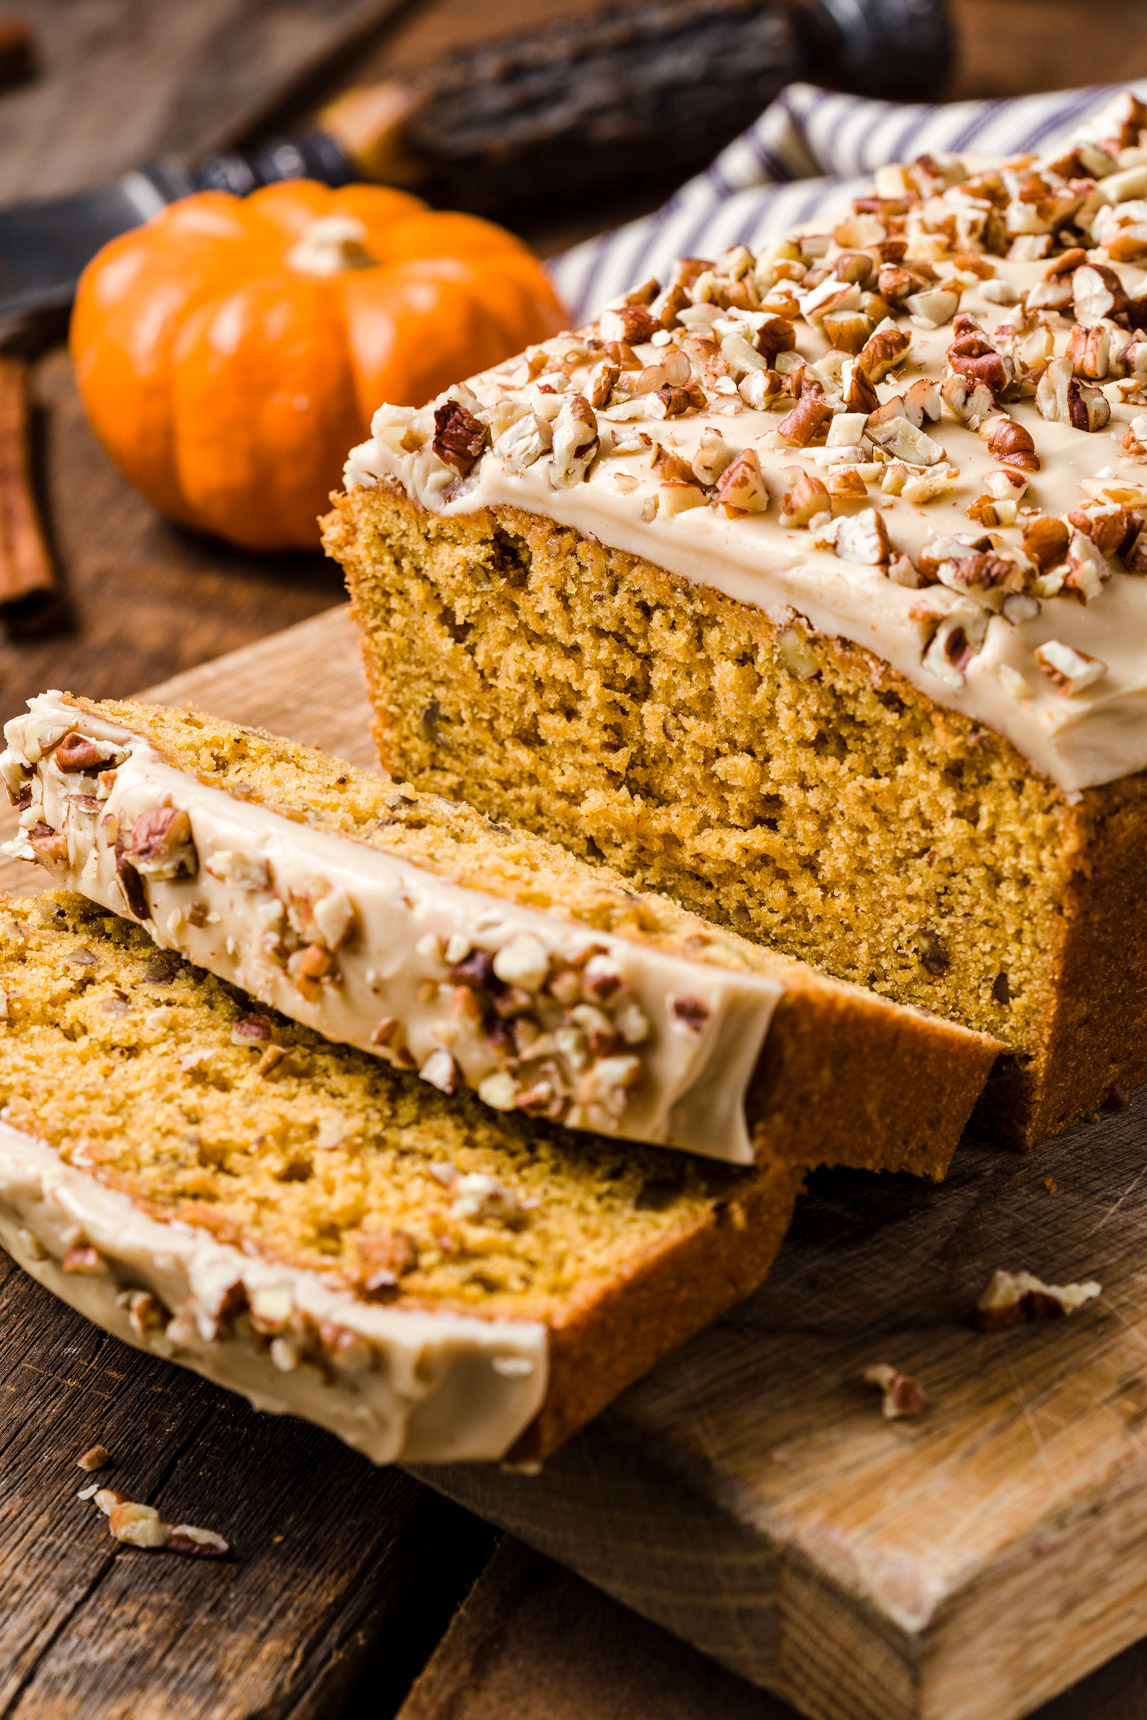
(121, 83)
(535, 1642)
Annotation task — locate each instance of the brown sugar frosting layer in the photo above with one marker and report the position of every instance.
(400, 1218)
(838, 637)
(473, 954)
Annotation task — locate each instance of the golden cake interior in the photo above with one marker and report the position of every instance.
(808, 798)
(438, 834)
(129, 1063)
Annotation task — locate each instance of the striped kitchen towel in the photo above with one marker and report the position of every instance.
(807, 155)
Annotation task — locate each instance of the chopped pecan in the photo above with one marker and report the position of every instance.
(973, 356)
(384, 1258)
(1011, 443)
(775, 336)
(77, 753)
(741, 488)
(161, 844)
(575, 442)
(859, 393)
(1097, 292)
(632, 324)
(196, 1543)
(903, 1395)
(459, 437)
(51, 846)
(805, 498)
(863, 538)
(1070, 670)
(1089, 350)
(676, 401)
(807, 422)
(1112, 530)
(688, 1013)
(1013, 1297)
(1045, 541)
(886, 349)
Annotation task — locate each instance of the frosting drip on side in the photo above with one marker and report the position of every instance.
(605, 1034)
(401, 1385)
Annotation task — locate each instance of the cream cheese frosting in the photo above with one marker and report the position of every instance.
(664, 1054)
(921, 540)
(399, 1384)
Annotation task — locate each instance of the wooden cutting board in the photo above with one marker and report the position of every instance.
(965, 1565)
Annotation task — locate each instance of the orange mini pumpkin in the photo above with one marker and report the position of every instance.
(231, 351)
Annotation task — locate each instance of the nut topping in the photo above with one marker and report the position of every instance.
(77, 754)
(459, 437)
(902, 1394)
(1013, 1297)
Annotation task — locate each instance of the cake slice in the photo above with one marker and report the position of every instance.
(299, 1222)
(474, 955)
(807, 587)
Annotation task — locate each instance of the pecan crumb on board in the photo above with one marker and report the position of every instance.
(1013, 1297)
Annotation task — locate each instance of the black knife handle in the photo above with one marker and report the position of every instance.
(645, 92)
(310, 154)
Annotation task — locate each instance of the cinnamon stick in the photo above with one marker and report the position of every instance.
(17, 50)
(27, 576)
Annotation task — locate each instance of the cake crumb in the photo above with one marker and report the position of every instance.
(1051, 1185)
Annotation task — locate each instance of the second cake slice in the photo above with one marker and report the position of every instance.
(477, 956)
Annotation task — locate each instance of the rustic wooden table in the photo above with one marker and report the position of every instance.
(349, 1577)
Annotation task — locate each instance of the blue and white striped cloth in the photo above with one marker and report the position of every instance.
(808, 154)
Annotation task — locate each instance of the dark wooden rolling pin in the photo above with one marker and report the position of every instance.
(645, 91)
(648, 91)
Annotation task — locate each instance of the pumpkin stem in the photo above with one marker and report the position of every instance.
(330, 245)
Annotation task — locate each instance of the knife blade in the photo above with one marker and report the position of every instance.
(649, 88)
(45, 246)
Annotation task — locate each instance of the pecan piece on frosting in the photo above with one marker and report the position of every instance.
(77, 753)
(630, 323)
(741, 489)
(1011, 443)
(575, 442)
(51, 846)
(1069, 670)
(807, 422)
(887, 348)
(1097, 292)
(131, 883)
(1045, 541)
(459, 437)
(161, 844)
(775, 336)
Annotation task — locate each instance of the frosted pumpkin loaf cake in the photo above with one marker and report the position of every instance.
(305, 1225)
(473, 955)
(808, 588)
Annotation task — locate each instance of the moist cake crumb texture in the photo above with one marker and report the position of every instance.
(163, 1083)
